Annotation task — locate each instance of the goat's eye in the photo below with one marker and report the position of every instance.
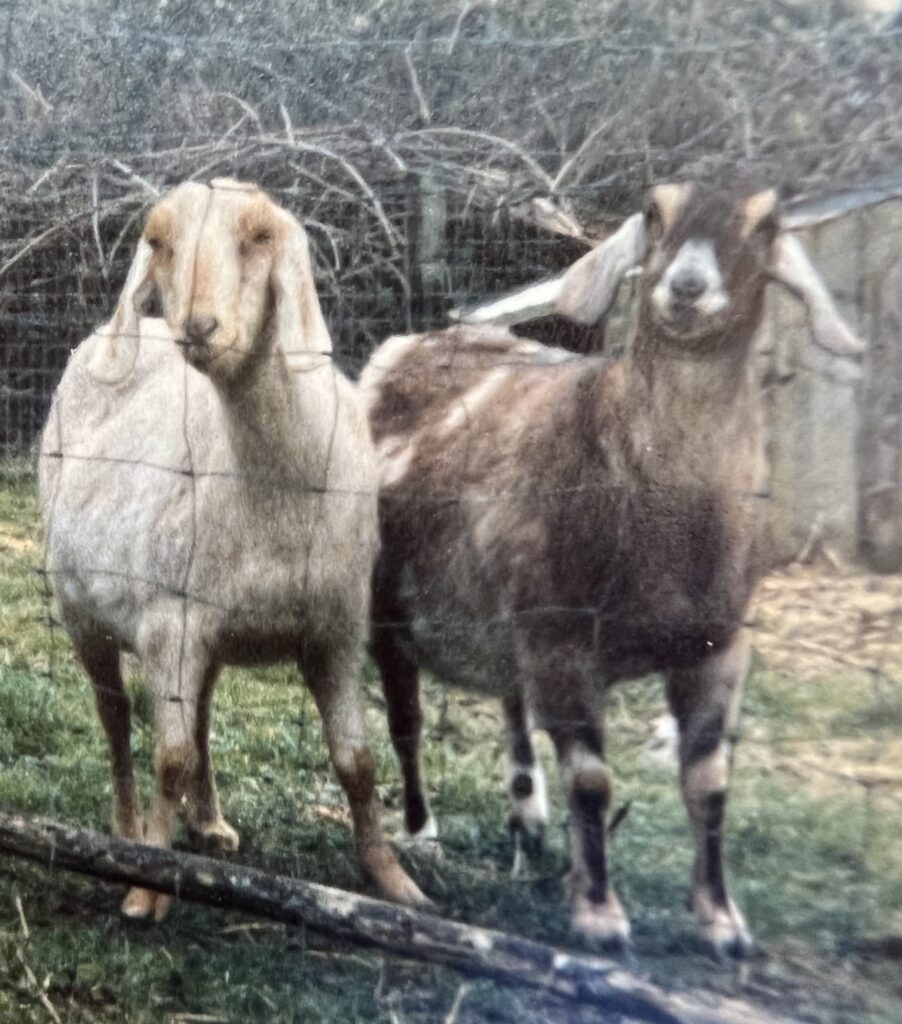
(155, 243)
(262, 236)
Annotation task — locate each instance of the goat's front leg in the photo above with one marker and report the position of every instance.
(332, 679)
(561, 693)
(102, 662)
(525, 785)
(175, 670)
(705, 703)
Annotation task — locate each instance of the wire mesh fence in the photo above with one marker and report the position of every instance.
(402, 227)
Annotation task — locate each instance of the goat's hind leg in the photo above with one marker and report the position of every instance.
(525, 786)
(705, 703)
(401, 686)
(102, 663)
(332, 678)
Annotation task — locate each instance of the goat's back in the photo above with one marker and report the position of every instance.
(412, 381)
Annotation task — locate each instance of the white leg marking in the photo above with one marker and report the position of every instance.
(661, 749)
(533, 809)
(428, 832)
(530, 813)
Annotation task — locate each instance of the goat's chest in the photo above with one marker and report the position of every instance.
(669, 571)
(255, 548)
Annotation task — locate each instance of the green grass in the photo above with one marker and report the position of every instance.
(816, 859)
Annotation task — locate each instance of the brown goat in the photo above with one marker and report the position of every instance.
(554, 523)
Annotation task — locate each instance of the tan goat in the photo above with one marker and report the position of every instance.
(553, 523)
(208, 490)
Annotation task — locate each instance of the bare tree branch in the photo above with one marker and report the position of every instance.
(480, 952)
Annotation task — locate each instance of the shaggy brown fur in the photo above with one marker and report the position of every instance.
(554, 523)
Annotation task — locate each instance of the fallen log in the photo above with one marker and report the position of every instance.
(478, 952)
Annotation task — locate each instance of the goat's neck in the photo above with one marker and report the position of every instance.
(694, 419)
(275, 420)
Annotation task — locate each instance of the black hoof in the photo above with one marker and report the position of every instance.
(530, 840)
(733, 950)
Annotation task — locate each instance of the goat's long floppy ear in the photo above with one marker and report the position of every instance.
(589, 286)
(515, 307)
(119, 340)
(583, 293)
(792, 268)
(301, 329)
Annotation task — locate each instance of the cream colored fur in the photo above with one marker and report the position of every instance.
(215, 505)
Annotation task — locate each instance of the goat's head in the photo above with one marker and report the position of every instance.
(706, 258)
(706, 262)
(234, 276)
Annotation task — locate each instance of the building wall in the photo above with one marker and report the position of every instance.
(835, 427)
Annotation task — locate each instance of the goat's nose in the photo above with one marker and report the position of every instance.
(199, 328)
(687, 286)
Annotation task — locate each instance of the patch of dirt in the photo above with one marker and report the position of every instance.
(809, 620)
(14, 542)
(833, 765)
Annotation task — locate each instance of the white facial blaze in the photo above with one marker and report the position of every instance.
(696, 258)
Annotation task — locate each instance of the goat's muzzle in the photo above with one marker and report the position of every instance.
(687, 286)
(198, 329)
(195, 338)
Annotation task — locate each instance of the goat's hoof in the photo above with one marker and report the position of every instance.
(393, 882)
(407, 891)
(130, 828)
(604, 924)
(529, 844)
(218, 835)
(725, 931)
(145, 905)
(532, 839)
(528, 836)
